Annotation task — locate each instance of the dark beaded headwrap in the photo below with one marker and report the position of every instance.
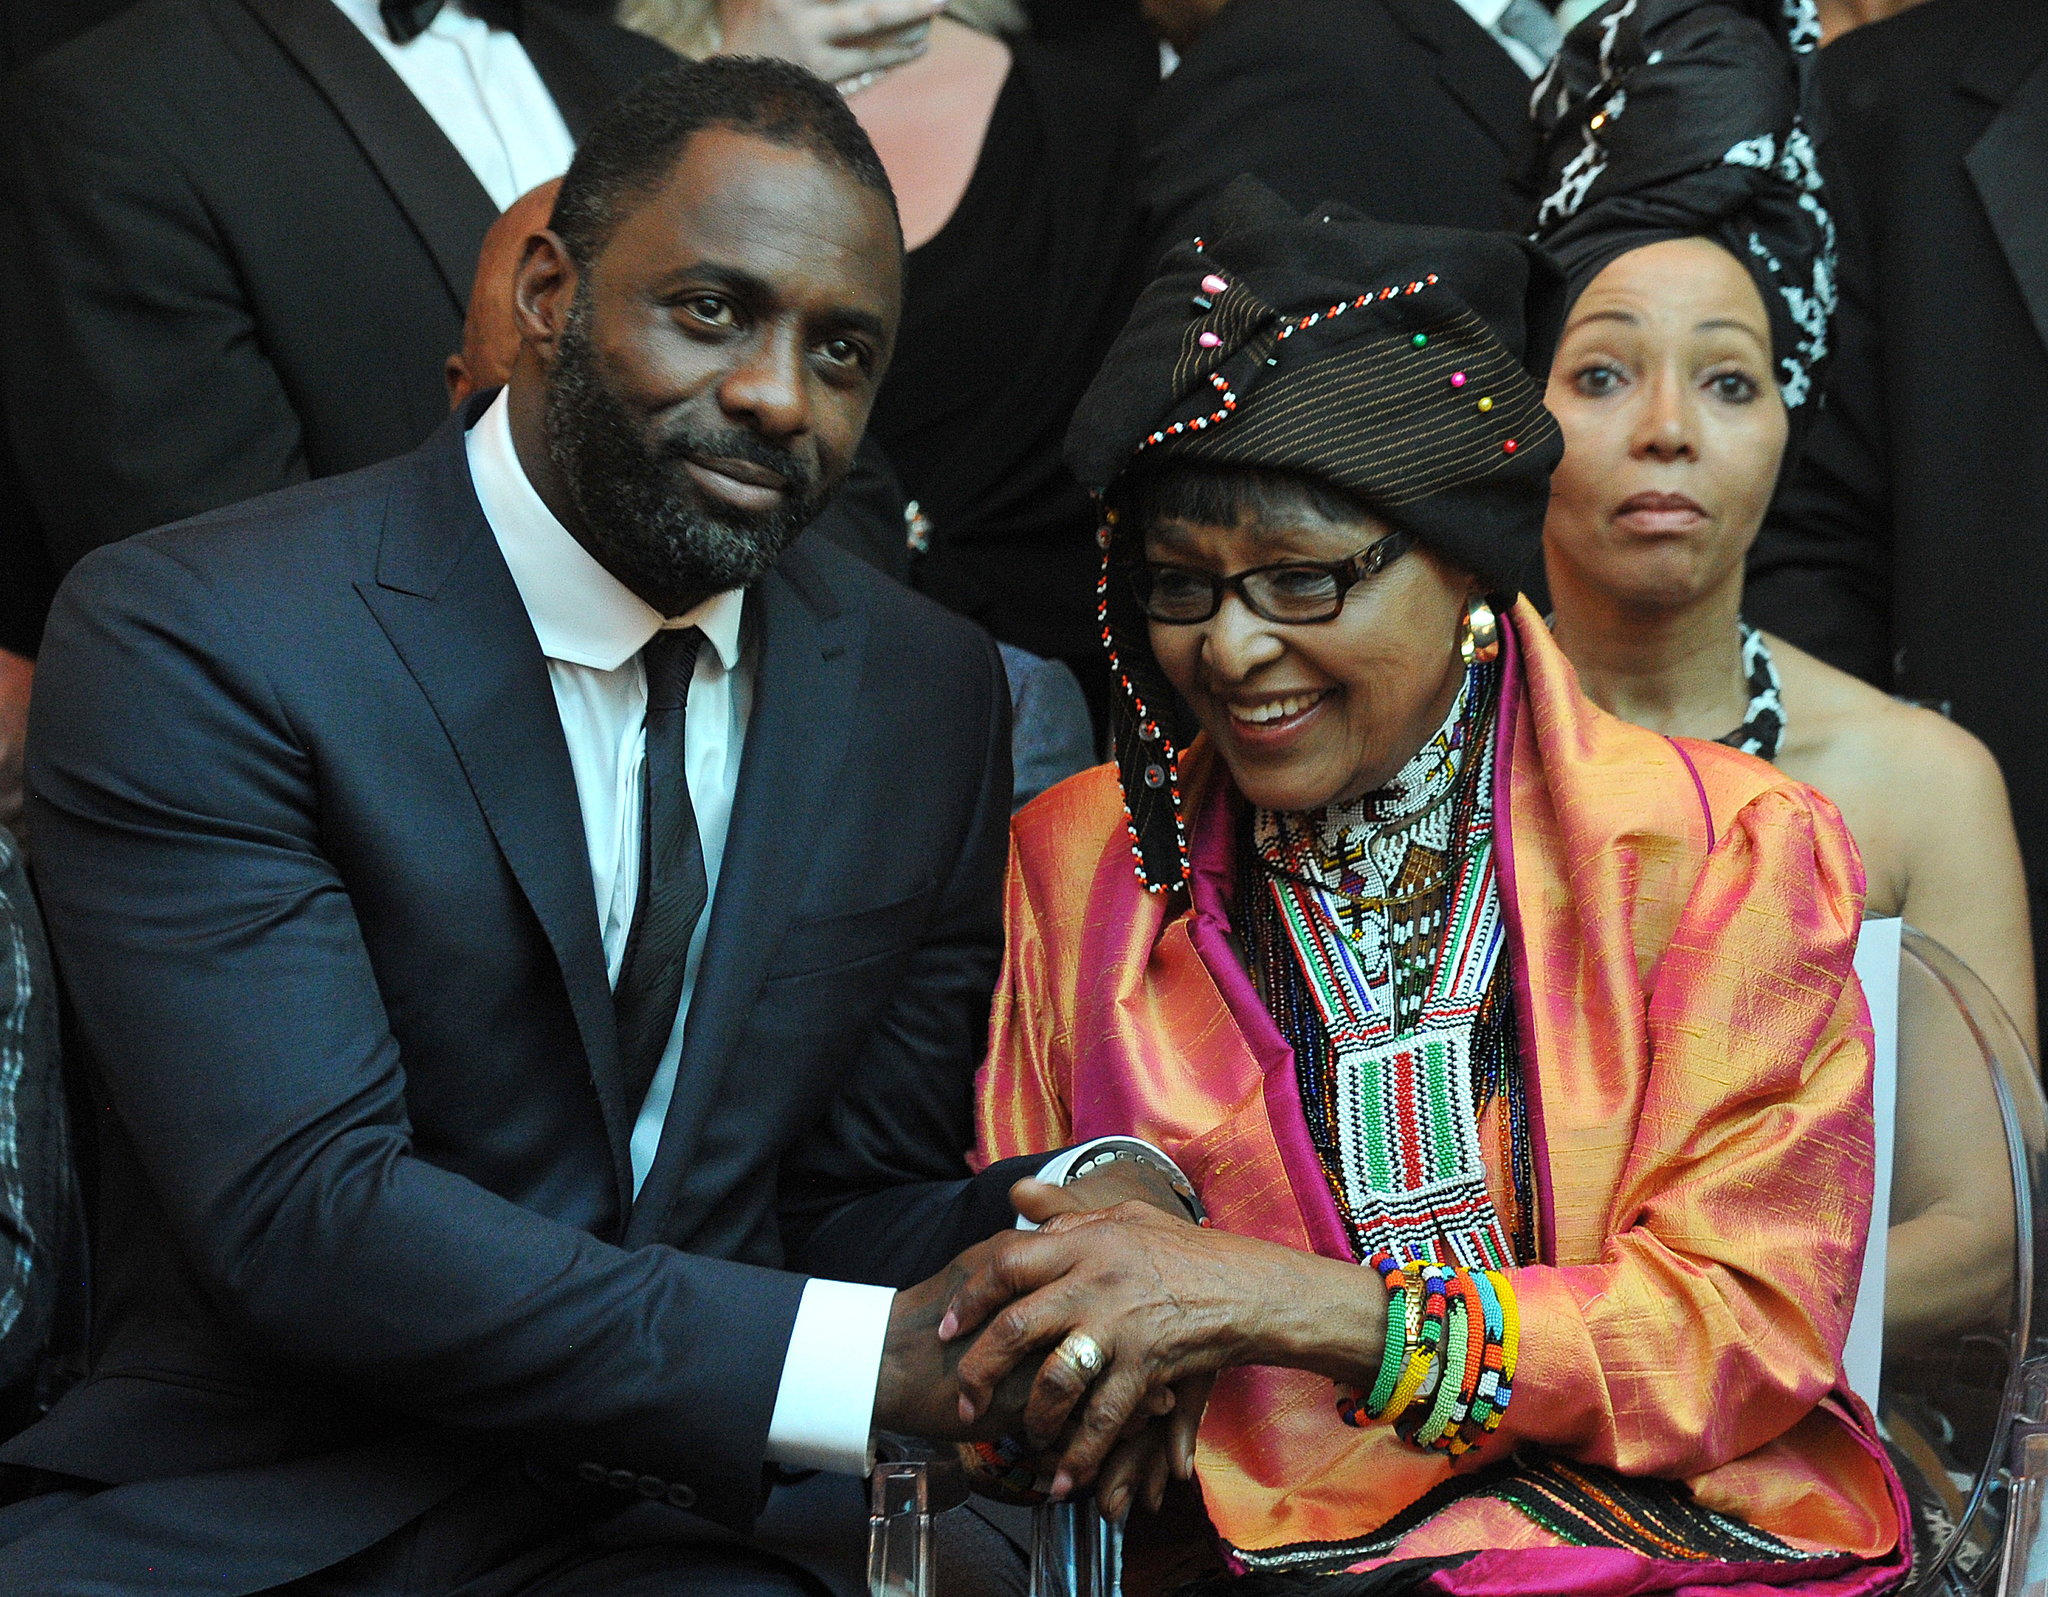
(1392, 362)
(1664, 119)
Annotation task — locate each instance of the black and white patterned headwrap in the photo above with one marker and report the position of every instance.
(1696, 118)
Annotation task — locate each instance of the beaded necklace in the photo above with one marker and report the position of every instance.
(1763, 724)
(1374, 933)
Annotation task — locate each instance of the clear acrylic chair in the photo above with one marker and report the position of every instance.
(1964, 1331)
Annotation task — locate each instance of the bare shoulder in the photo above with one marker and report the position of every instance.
(1848, 733)
(1926, 803)
(1919, 793)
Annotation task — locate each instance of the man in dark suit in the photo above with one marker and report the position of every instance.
(442, 1211)
(1910, 544)
(27, 580)
(246, 238)
(1411, 110)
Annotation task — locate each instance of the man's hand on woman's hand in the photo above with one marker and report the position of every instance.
(918, 1392)
(1168, 1304)
(836, 39)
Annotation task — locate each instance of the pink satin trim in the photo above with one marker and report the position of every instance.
(1507, 722)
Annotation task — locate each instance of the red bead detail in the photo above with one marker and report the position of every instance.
(1508, 448)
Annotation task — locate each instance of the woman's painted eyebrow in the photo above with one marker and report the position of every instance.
(1715, 324)
(1616, 314)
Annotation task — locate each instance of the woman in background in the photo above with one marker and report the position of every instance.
(1699, 262)
(1012, 164)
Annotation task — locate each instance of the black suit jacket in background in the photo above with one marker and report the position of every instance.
(239, 251)
(1406, 109)
(27, 29)
(318, 891)
(1910, 544)
(30, 27)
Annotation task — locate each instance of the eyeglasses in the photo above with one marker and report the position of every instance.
(1293, 593)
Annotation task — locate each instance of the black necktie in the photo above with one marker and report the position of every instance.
(672, 886)
(406, 20)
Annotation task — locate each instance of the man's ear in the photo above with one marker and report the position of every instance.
(455, 372)
(543, 289)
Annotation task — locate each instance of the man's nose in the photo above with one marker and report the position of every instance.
(767, 386)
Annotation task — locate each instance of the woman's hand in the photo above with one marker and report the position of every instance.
(836, 39)
(1139, 1465)
(1166, 1302)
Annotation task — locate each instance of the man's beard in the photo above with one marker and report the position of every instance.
(643, 518)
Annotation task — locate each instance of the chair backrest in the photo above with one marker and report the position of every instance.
(1954, 1284)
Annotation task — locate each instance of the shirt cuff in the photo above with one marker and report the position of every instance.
(825, 1407)
(1054, 1171)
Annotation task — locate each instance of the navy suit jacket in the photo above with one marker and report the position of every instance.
(316, 881)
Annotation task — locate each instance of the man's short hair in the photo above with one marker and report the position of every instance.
(629, 152)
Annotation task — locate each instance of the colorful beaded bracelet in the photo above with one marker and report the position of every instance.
(1510, 1347)
(1446, 1373)
(1461, 1376)
(1404, 1323)
(1457, 1347)
(1491, 1362)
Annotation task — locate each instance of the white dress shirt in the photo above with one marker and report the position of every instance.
(479, 86)
(1487, 13)
(591, 629)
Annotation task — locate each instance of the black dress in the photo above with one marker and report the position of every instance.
(1008, 311)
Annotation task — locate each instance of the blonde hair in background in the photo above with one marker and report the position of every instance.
(690, 27)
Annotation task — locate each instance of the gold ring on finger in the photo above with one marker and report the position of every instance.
(1082, 1354)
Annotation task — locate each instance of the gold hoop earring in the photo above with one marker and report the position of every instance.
(1481, 640)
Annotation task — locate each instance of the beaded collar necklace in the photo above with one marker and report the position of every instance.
(1384, 863)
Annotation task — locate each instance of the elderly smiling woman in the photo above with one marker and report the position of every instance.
(1514, 1050)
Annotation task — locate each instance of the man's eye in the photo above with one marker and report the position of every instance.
(845, 352)
(1597, 380)
(1735, 388)
(709, 308)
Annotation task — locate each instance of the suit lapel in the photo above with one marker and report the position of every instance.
(448, 604)
(427, 179)
(809, 656)
(2009, 166)
(1473, 68)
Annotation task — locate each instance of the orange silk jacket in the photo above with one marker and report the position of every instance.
(1681, 923)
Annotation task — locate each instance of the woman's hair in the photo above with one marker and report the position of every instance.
(690, 27)
(1223, 496)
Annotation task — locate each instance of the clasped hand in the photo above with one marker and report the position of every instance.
(1168, 1303)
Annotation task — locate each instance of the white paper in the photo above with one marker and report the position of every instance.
(1877, 967)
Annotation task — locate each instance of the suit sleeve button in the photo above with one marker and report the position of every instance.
(591, 1474)
(651, 1486)
(622, 1480)
(681, 1496)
